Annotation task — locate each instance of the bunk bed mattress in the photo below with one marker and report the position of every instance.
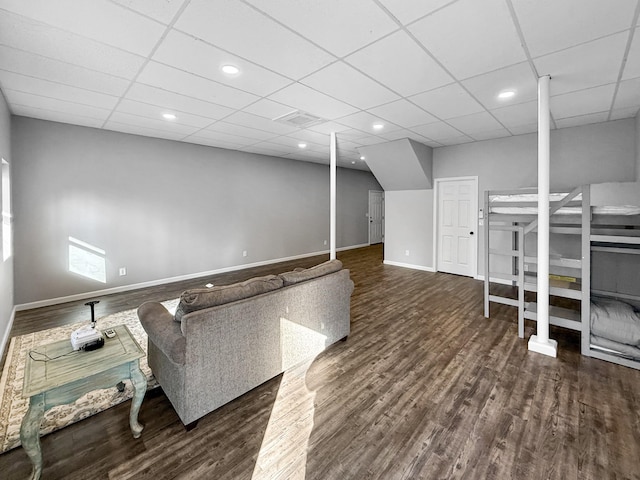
(615, 347)
(495, 207)
(615, 321)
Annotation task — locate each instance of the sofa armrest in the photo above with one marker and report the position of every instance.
(163, 331)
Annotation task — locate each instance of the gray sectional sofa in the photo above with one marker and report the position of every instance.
(224, 341)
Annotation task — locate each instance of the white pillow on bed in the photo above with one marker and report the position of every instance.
(615, 320)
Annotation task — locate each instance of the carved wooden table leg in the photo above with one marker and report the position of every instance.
(30, 433)
(139, 382)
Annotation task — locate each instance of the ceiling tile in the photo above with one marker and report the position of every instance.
(456, 140)
(491, 134)
(276, 47)
(628, 112)
(99, 20)
(585, 66)
(343, 82)
(517, 115)
(628, 95)
(168, 78)
(301, 97)
(447, 102)
(241, 131)
(16, 98)
(412, 72)
(582, 120)
(156, 124)
(632, 67)
(206, 61)
(546, 28)
(372, 140)
(219, 138)
(403, 113)
(174, 102)
(268, 109)
(321, 139)
(524, 129)
(160, 11)
(142, 130)
(364, 121)
(328, 127)
(45, 88)
(215, 143)
(471, 37)
(155, 112)
(409, 10)
(592, 100)
(436, 131)
(475, 123)
(404, 133)
(265, 149)
(260, 123)
(344, 35)
(31, 36)
(293, 143)
(520, 78)
(49, 69)
(58, 116)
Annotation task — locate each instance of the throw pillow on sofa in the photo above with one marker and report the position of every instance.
(302, 275)
(200, 298)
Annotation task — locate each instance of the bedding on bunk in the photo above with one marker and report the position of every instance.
(495, 207)
(615, 325)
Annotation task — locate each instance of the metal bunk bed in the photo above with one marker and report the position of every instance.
(599, 218)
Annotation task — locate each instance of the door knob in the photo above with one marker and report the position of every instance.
(470, 233)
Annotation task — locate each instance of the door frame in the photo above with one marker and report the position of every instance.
(436, 220)
(369, 214)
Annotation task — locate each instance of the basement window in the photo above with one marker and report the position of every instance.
(87, 260)
(7, 236)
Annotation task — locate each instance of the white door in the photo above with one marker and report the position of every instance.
(457, 226)
(376, 217)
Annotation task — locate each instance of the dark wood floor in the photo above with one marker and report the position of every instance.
(424, 388)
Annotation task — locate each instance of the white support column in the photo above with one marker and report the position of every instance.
(541, 343)
(333, 168)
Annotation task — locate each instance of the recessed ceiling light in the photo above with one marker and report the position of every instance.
(353, 163)
(168, 116)
(302, 145)
(362, 157)
(506, 94)
(230, 69)
(378, 126)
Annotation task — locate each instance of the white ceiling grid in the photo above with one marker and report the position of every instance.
(429, 70)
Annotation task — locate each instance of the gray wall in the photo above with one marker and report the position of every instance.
(638, 147)
(6, 267)
(580, 155)
(409, 227)
(164, 209)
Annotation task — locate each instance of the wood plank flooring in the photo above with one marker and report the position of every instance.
(424, 388)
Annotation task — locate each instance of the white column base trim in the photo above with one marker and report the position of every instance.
(549, 348)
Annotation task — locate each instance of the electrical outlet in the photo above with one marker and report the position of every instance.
(325, 242)
(123, 271)
(244, 253)
(406, 252)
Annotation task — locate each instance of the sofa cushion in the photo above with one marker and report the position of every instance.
(200, 298)
(302, 275)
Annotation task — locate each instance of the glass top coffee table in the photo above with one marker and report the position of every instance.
(55, 374)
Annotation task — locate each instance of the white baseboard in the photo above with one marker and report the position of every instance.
(409, 265)
(163, 281)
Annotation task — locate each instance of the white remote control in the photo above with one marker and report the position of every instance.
(110, 333)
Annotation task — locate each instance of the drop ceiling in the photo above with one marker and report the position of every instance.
(429, 70)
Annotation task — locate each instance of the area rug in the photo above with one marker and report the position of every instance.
(13, 407)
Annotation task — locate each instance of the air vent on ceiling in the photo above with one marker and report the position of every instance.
(299, 119)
